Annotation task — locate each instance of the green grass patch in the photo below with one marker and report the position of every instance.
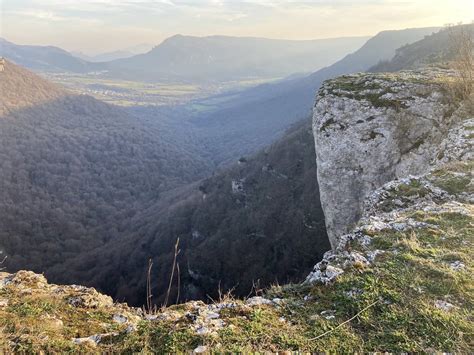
(454, 179)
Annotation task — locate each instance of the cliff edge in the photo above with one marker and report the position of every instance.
(370, 129)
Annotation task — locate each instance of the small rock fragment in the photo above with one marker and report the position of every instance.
(85, 341)
(200, 349)
(258, 301)
(457, 265)
(371, 255)
(365, 240)
(355, 259)
(118, 318)
(203, 330)
(329, 314)
(212, 315)
(151, 317)
(354, 293)
(324, 277)
(277, 301)
(445, 306)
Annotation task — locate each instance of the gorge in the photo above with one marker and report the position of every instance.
(378, 278)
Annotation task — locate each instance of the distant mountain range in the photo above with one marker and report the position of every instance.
(222, 58)
(113, 55)
(104, 57)
(195, 59)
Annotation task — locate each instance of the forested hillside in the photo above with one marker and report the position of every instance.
(74, 171)
(434, 49)
(257, 221)
(47, 58)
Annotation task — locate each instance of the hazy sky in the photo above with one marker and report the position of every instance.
(96, 26)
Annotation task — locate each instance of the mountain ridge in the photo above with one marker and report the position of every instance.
(182, 56)
(43, 57)
(436, 49)
(28, 91)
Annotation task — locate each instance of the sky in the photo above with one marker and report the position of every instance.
(97, 26)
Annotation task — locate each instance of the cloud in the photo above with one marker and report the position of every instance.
(79, 21)
(40, 15)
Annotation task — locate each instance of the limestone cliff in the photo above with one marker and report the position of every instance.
(372, 128)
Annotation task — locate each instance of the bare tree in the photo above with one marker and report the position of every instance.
(176, 252)
(149, 304)
(179, 283)
(461, 37)
(2, 260)
(150, 307)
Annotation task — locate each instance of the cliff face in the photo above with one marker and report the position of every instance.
(373, 128)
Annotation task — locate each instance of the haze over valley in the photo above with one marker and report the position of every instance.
(169, 168)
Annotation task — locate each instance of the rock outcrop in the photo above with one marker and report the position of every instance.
(373, 128)
(446, 187)
(80, 319)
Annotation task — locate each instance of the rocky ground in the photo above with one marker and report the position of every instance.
(400, 281)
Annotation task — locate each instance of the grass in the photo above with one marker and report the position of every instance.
(348, 87)
(378, 101)
(413, 188)
(349, 84)
(455, 179)
(42, 322)
(404, 192)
